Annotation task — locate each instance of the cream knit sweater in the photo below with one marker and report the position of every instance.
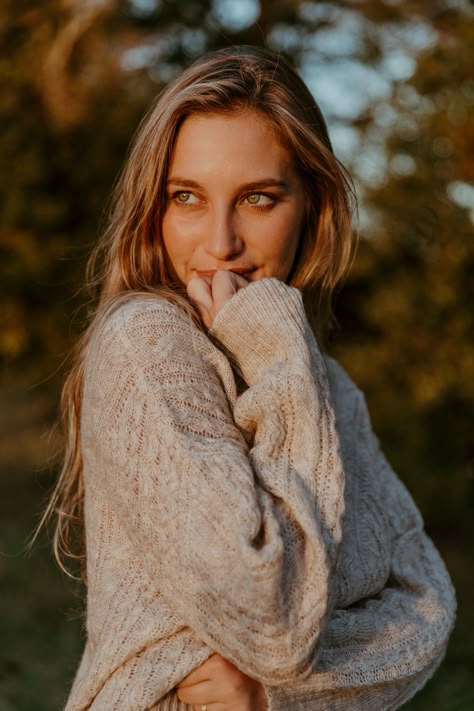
(265, 525)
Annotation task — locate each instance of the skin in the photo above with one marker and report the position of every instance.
(222, 687)
(235, 205)
(235, 213)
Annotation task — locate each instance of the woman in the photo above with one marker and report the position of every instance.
(248, 546)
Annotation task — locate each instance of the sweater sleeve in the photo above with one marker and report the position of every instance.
(236, 521)
(379, 652)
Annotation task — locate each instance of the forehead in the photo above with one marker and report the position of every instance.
(235, 143)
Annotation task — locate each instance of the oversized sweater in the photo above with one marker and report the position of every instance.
(260, 522)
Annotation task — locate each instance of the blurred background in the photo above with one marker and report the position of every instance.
(395, 82)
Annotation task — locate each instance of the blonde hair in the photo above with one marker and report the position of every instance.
(130, 257)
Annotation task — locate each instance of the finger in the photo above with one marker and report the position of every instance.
(241, 281)
(228, 280)
(195, 694)
(201, 673)
(197, 676)
(199, 291)
(224, 285)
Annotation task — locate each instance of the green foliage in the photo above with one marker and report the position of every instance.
(410, 296)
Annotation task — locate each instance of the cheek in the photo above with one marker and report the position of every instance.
(281, 242)
(176, 242)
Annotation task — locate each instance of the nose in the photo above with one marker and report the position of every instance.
(224, 241)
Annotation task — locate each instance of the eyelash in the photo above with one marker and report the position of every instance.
(273, 199)
(174, 196)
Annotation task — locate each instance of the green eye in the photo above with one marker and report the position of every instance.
(184, 197)
(260, 200)
(254, 199)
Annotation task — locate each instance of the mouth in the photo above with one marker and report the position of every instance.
(243, 271)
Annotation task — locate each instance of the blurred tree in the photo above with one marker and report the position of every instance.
(408, 324)
(77, 75)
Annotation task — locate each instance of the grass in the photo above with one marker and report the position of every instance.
(40, 621)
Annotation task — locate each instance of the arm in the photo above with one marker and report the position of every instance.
(378, 653)
(241, 541)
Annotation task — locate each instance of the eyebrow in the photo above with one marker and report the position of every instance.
(254, 185)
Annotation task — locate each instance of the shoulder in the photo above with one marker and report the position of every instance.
(344, 391)
(139, 321)
(133, 315)
(350, 406)
(133, 333)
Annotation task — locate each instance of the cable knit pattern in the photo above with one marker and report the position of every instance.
(266, 525)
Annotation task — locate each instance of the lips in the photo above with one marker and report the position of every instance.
(243, 271)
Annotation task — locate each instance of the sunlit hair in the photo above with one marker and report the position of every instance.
(131, 260)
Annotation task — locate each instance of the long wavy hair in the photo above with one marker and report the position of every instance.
(130, 258)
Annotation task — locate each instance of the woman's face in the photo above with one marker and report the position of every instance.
(234, 201)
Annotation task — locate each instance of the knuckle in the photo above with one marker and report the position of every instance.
(236, 685)
(219, 662)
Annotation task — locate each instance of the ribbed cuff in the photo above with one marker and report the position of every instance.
(275, 701)
(262, 324)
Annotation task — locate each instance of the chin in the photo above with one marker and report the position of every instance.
(257, 275)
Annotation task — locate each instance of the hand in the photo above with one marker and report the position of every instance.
(222, 687)
(210, 294)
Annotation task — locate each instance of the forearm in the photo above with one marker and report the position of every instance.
(236, 531)
(378, 651)
(288, 415)
(383, 696)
